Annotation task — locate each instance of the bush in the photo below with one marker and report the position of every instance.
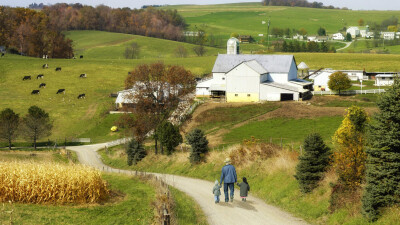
(199, 144)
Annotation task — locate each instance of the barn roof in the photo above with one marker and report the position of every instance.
(271, 63)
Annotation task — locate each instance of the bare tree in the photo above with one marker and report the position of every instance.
(132, 51)
(181, 51)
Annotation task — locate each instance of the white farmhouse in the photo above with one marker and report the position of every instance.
(321, 80)
(384, 79)
(311, 38)
(354, 31)
(388, 35)
(254, 78)
(338, 36)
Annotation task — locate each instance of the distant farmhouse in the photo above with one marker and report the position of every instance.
(254, 78)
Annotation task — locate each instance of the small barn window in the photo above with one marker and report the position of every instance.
(391, 78)
(236, 95)
(383, 78)
(223, 78)
(319, 86)
(248, 95)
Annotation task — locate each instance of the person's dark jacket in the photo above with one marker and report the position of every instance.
(244, 189)
(228, 174)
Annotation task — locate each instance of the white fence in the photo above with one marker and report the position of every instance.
(351, 92)
(81, 140)
(117, 142)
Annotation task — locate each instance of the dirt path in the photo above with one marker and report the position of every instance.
(254, 211)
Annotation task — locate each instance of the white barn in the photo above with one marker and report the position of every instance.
(254, 78)
(354, 31)
(384, 79)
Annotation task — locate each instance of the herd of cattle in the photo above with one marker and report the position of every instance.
(43, 85)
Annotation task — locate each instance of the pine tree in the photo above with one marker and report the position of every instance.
(383, 163)
(313, 163)
(169, 136)
(135, 152)
(199, 144)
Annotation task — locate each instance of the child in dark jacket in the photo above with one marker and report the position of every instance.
(244, 189)
(216, 191)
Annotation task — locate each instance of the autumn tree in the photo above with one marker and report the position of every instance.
(349, 140)
(339, 81)
(158, 89)
(135, 152)
(361, 22)
(9, 122)
(199, 145)
(36, 124)
(383, 163)
(169, 137)
(313, 163)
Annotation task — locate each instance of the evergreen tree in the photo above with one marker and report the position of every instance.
(349, 37)
(135, 152)
(383, 162)
(284, 46)
(9, 122)
(169, 137)
(321, 31)
(313, 163)
(199, 144)
(324, 47)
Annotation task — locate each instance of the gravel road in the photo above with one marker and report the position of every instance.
(254, 211)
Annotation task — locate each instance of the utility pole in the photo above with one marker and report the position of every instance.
(269, 23)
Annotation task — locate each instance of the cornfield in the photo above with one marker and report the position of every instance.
(50, 183)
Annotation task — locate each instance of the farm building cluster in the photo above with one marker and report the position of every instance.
(256, 78)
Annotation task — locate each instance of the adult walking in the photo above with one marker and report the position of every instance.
(228, 176)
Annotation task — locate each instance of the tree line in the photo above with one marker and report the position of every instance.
(29, 32)
(34, 125)
(297, 46)
(151, 22)
(297, 3)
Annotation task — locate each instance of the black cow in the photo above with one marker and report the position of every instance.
(26, 78)
(81, 57)
(129, 73)
(83, 75)
(35, 92)
(61, 91)
(42, 85)
(58, 69)
(40, 76)
(2, 54)
(45, 66)
(81, 96)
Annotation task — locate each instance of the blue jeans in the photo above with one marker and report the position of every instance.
(216, 198)
(231, 187)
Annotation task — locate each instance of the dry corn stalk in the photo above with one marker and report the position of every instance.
(50, 182)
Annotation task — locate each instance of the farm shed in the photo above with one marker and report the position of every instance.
(124, 99)
(384, 79)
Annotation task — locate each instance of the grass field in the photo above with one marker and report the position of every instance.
(290, 130)
(112, 45)
(245, 18)
(186, 210)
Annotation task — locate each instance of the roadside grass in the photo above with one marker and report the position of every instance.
(112, 45)
(58, 156)
(246, 18)
(186, 210)
(226, 116)
(132, 203)
(288, 130)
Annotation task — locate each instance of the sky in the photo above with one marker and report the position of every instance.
(351, 4)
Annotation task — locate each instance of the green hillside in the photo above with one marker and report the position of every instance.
(112, 45)
(245, 18)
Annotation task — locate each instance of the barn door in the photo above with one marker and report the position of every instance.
(286, 97)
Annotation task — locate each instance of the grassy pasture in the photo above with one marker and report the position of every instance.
(112, 45)
(245, 18)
